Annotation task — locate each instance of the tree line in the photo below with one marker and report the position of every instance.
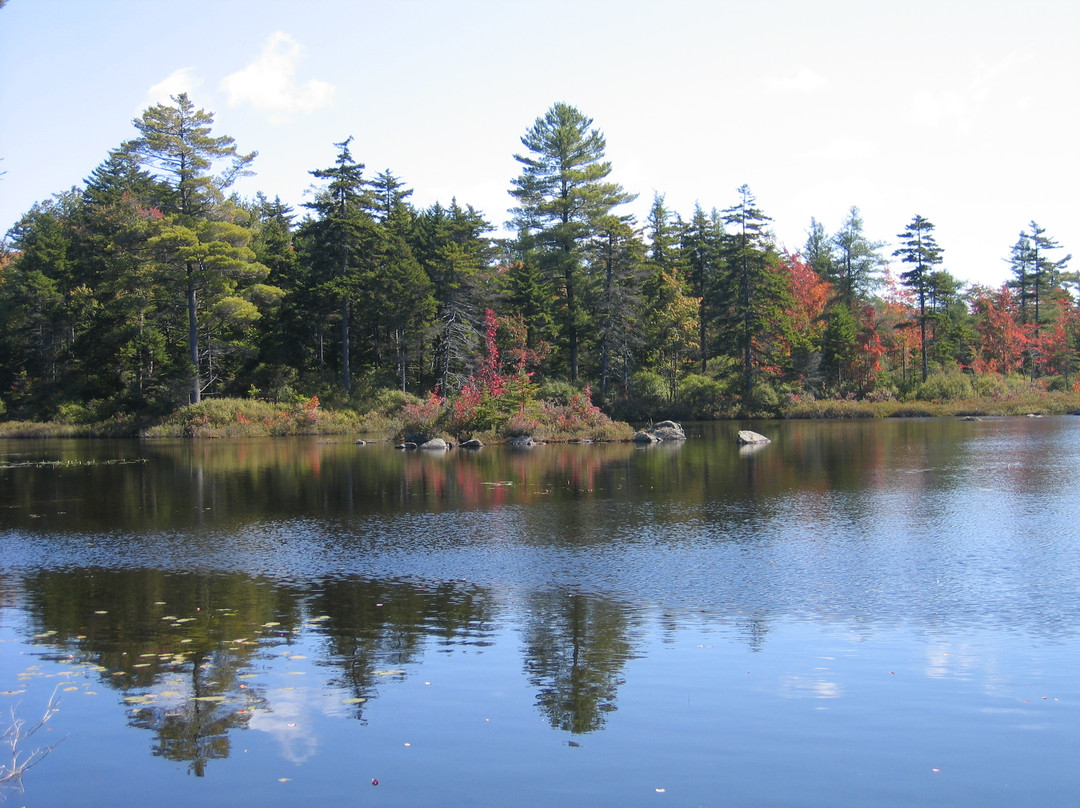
(153, 285)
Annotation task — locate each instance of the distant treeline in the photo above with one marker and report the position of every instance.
(150, 287)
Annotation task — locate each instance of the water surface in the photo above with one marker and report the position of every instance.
(859, 613)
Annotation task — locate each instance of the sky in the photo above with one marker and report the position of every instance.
(966, 113)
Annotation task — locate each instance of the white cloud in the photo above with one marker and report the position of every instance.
(268, 83)
(805, 81)
(179, 81)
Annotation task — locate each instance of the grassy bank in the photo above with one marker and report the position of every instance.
(236, 418)
(1027, 403)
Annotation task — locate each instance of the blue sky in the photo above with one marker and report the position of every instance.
(967, 113)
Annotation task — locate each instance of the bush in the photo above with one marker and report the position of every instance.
(702, 398)
(948, 386)
(764, 400)
(557, 391)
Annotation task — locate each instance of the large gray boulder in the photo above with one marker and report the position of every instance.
(748, 438)
(668, 430)
(522, 442)
(435, 444)
(663, 431)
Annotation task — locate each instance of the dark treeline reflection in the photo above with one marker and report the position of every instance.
(77, 486)
(183, 651)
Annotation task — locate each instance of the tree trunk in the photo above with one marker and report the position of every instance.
(193, 337)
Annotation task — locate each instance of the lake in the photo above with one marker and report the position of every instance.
(869, 613)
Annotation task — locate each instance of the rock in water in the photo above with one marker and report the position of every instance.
(747, 437)
(668, 430)
(437, 444)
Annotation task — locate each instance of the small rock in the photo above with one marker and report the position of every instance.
(522, 442)
(645, 437)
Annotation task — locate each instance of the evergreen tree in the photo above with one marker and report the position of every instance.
(175, 145)
(856, 260)
(1020, 260)
(820, 252)
(701, 246)
(920, 250)
(619, 254)
(753, 294)
(336, 240)
(1045, 270)
(562, 193)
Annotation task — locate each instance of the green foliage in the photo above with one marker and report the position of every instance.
(242, 417)
(703, 398)
(946, 386)
(557, 391)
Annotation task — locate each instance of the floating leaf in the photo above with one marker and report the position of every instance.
(144, 699)
(11, 692)
(215, 699)
(353, 701)
(395, 672)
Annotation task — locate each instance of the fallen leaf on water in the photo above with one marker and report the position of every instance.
(394, 672)
(661, 790)
(374, 782)
(353, 701)
(281, 779)
(217, 699)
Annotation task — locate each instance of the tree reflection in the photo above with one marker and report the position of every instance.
(575, 650)
(375, 626)
(174, 644)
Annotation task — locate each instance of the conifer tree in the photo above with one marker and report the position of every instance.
(175, 145)
(562, 193)
(920, 250)
(336, 238)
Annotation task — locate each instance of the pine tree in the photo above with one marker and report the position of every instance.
(337, 237)
(856, 260)
(175, 145)
(562, 193)
(701, 247)
(920, 250)
(753, 293)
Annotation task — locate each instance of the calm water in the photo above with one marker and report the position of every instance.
(858, 614)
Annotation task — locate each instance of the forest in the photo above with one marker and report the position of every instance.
(152, 286)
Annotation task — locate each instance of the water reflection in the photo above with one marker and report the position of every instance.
(216, 587)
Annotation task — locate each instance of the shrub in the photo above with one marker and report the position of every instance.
(423, 417)
(702, 397)
(557, 391)
(947, 386)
